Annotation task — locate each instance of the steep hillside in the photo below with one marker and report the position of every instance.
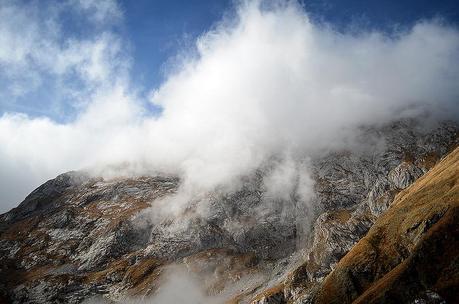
(411, 251)
(410, 254)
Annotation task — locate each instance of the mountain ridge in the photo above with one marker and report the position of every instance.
(76, 237)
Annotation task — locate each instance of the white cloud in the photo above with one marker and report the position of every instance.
(271, 83)
(36, 49)
(99, 11)
(178, 285)
(189, 286)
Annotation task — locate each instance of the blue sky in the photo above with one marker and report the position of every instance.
(158, 29)
(153, 32)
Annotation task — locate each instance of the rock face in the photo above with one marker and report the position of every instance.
(76, 236)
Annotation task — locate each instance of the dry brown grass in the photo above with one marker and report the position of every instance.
(341, 216)
(20, 230)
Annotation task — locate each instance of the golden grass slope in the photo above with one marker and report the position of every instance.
(412, 248)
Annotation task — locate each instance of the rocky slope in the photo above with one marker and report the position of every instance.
(411, 250)
(76, 236)
(410, 255)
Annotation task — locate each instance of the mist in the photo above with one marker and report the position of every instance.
(178, 285)
(265, 82)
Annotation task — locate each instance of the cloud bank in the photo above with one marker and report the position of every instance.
(267, 82)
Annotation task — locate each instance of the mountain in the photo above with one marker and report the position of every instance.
(412, 249)
(381, 228)
(409, 255)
